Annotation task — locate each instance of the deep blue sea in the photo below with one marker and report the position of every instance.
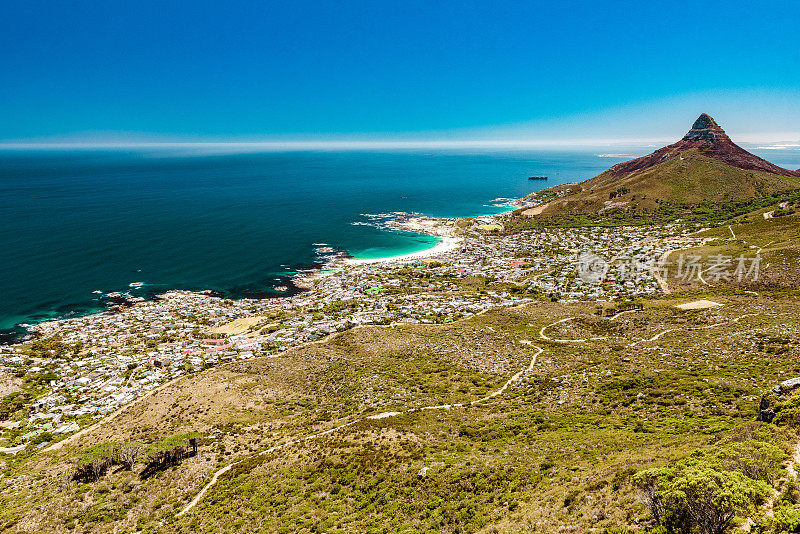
(79, 221)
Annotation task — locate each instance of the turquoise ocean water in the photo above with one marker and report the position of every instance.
(79, 221)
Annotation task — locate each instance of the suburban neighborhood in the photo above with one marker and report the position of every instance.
(85, 368)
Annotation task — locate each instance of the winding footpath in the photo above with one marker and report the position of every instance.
(110, 417)
(690, 328)
(658, 269)
(384, 415)
(199, 497)
(545, 337)
(219, 473)
(769, 503)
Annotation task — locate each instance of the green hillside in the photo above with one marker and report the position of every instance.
(562, 448)
(704, 167)
(688, 179)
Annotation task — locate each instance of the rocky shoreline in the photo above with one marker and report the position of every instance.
(447, 230)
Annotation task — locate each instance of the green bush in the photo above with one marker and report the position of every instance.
(788, 413)
(754, 459)
(698, 497)
(787, 519)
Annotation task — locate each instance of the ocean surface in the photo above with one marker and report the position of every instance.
(83, 221)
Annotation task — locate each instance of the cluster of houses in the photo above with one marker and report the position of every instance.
(112, 358)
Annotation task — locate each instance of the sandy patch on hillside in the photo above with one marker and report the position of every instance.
(9, 384)
(530, 212)
(239, 326)
(698, 305)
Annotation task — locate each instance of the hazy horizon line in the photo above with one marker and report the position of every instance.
(370, 144)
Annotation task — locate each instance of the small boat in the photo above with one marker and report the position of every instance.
(136, 284)
(537, 177)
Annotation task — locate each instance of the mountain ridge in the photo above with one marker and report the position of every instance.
(710, 140)
(705, 165)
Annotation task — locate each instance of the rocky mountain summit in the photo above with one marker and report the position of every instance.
(710, 140)
(704, 166)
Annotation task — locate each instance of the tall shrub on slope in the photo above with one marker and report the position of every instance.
(699, 495)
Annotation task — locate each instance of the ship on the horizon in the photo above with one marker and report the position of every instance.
(537, 177)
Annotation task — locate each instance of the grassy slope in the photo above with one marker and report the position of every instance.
(776, 240)
(556, 451)
(689, 179)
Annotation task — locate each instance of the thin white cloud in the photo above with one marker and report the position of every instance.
(325, 145)
(780, 146)
(752, 118)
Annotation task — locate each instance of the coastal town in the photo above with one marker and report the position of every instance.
(75, 371)
(381, 267)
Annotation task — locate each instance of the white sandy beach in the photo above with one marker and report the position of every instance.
(446, 244)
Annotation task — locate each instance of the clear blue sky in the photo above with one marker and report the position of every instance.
(310, 69)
